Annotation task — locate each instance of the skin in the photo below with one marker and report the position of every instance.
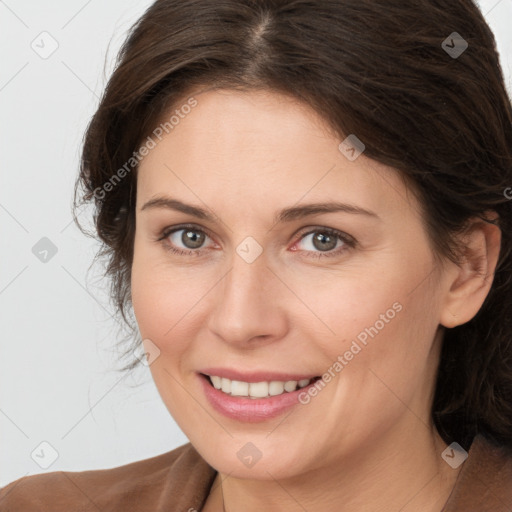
(366, 441)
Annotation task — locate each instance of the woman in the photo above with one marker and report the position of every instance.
(306, 206)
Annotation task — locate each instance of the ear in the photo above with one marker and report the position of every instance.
(468, 284)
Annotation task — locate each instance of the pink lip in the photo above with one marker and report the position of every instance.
(248, 409)
(264, 376)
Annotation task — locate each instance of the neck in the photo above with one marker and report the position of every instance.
(403, 471)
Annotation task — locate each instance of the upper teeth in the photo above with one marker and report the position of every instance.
(256, 389)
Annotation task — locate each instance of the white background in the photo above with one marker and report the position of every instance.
(58, 382)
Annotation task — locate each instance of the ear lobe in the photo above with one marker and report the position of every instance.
(469, 283)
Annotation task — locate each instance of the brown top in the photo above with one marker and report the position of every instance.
(180, 480)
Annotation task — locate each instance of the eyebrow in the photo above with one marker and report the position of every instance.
(285, 215)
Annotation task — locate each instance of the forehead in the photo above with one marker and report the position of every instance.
(257, 148)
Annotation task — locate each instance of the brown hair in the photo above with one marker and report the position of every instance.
(373, 68)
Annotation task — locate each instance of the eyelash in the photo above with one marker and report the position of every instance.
(346, 239)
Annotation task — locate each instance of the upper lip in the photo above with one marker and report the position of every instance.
(255, 376)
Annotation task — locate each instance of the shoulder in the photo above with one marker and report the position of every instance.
(485, 480)
(176, 480)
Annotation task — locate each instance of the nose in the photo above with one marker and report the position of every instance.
(249, 305)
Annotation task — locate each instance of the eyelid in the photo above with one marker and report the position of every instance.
(324, 229)
(166, 232)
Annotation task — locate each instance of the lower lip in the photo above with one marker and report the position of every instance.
(250, 410)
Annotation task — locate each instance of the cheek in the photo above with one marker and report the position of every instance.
(163, 306)
(384, 323)
(353, 306)
(155, 298)
(158, 307)
(166, 300)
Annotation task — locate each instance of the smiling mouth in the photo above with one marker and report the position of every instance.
(256, 390)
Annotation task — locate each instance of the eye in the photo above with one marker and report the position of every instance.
(185, 240)
(322, 242)
(189, 240)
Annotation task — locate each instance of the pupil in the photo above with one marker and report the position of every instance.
(192, 239)
(321, 238)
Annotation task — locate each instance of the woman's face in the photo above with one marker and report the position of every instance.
(263, 287)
